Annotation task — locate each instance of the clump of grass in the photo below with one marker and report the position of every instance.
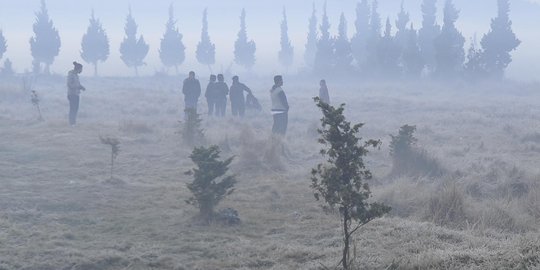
(250, 149)
(114, 143)
(273, 154)
(447, 206)
(130, 126)
(531, 137)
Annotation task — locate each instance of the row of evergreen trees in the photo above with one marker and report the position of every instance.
(409, 53)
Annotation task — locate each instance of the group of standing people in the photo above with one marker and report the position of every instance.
(216, 95)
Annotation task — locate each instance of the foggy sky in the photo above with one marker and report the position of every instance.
(263, 21)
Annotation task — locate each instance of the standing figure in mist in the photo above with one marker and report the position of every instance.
(280, 107)
(323, 92)
(238, 101)
(222, 90)
(74, 90)
(210, 95)
(192, 92)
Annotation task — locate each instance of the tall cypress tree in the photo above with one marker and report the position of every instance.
(206, 50)
(388, 53)
(172, 51)
(95, 44)
(133, 50)
(311, 45)
(286, 54)
(3, 44)
(45, 44)
(449, 50)
(343, 52)
(412, 61)
(360, 39)
(244, 50)
(374, 37)
(402, 34)
(428, 33)
(324, 59)
(499, 42)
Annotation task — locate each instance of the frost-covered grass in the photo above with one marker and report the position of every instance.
(59, 211)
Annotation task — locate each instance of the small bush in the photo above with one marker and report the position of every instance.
(407, 159)
(192, 133)
(210, 184)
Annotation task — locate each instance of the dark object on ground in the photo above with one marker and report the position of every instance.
(227, 216)
(252, 103)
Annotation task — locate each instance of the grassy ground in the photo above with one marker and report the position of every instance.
(59, 209)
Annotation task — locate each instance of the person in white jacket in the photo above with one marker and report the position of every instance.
(74, 90)
(280, 107)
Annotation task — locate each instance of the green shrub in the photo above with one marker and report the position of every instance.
(407, 159)
(210, 183)
(342, 180)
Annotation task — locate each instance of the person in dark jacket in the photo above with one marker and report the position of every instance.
(222, 90)
(323, 92)
(210, 95)
(280, 107)
(192, 92)
(74, 90)
(238, 101)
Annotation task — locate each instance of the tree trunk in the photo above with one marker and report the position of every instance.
(95, 69)
(136, 71)
(346, 236)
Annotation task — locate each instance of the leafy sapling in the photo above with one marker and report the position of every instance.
(341, 181)
(35, 101)
(210, 183)
(114, 143)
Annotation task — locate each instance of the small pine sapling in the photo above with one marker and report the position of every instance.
(114, 143)
(210, 183)
(341, 180)
(35, 101)
(192, 133)
(408, 159)
(401, 145)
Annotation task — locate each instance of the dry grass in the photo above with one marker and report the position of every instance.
(58, 213)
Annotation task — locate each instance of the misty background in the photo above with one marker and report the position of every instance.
(71, 18)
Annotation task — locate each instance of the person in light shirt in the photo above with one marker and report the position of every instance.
(280, 107)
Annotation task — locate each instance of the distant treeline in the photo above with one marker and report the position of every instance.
(372, 52)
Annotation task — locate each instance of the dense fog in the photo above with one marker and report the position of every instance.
(269, 135)
(263, 26)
